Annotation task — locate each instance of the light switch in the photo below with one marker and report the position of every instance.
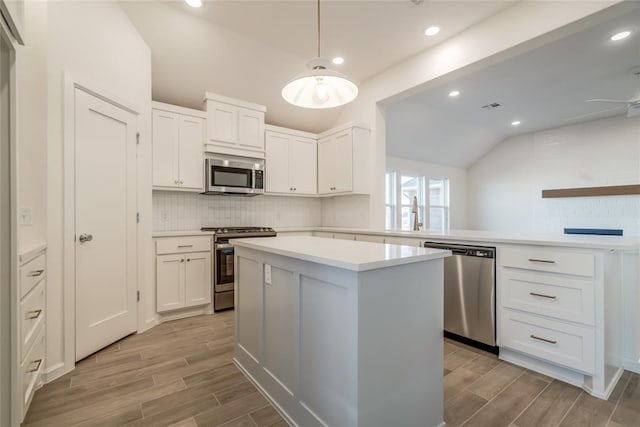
(25, 216)
(267, 274)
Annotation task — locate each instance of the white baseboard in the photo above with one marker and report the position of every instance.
(55, 372)
(554, 371)
(266, 395)
(182, 314)
(631, 365)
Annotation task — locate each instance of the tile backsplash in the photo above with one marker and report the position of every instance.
(177, 211)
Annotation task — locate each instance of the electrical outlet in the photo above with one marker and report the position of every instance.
(25, 216)
(267, 274)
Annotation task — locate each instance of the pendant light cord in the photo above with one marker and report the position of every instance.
(318, 28)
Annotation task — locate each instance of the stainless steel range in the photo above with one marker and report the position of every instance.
(223, 269)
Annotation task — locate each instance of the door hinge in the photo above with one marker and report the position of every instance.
(138, 296)
(138, 217)
(137, 138)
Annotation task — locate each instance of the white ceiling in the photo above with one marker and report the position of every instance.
(543, 88)
(250, 49)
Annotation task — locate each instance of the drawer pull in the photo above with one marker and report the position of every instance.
(185, 246)
(34, 314)
(544, 261)
(36, 273)
(535, 294)
(38, 363)
(543, 339)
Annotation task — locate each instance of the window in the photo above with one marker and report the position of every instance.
(390, 200)
(438, 204)
(433, 207)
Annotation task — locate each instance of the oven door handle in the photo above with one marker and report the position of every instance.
(223, 246)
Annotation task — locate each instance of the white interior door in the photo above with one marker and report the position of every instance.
(105, 223)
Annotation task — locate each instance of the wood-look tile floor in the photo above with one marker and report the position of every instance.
(180, 373)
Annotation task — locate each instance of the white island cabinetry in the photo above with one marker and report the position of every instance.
(310, 334)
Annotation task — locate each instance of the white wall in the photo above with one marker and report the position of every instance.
(495, 38)
(176, 211)
(94, 41)
(457, 184)
(505, 186)
(31, 106)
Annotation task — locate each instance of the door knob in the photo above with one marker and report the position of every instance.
(84, 237)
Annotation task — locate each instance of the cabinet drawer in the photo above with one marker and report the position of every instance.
(553, 261)
(31, 273)
(556, 296)
(30, 370)
(31, 317)
(556, 342)
(177, 245)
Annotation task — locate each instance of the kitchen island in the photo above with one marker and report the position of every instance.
(342, 333)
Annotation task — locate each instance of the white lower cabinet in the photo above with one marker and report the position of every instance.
(183, 279)
(559, 313)
(29, 354)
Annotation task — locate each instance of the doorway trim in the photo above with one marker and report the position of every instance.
(70, 84)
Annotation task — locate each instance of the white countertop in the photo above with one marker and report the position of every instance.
(346, 254)
(478, 236)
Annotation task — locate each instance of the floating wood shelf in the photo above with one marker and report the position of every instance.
(613, 190)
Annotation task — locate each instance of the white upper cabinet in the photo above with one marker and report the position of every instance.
(178, 137)
(291, 158)
(343, 161)
(234, 127)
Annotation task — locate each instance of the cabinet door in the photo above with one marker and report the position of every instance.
(165, 149)
(191, 153)
(222, 123)
(169, 282)
(343, 162)
(198, 284)
(251, 129)
(303, 163)
(277, 163)
(326, 154)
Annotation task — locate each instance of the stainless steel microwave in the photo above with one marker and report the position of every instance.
(231, 175)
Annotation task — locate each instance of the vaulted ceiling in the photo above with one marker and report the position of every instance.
(250, 49)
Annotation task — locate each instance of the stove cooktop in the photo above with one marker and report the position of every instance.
(241, 231)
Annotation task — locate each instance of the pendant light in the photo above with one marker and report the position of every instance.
(319, 87)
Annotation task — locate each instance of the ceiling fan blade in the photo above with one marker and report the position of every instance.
(593, 114)
(610, 101)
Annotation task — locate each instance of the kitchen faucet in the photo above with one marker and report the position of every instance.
(414, 211)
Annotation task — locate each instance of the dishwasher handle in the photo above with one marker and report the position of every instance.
(474, 251)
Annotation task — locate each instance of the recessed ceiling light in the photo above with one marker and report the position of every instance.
(194, 3)
(454, 93)
(515, 123)
(620, 36)
(338, 60)
(432, 31)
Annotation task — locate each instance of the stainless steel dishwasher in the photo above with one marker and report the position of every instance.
(469, 294)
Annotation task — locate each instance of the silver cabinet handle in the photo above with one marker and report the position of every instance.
(84, 237)
(543, 339)
(188, 259)
(34, 314)
(535, 294)
(36, 273)
(38, 363)
(182, 260)
(185, 246)
(545, 261)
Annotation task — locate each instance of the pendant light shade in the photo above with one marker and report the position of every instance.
(320, 87)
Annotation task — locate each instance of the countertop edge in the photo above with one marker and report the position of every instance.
(333, 262)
